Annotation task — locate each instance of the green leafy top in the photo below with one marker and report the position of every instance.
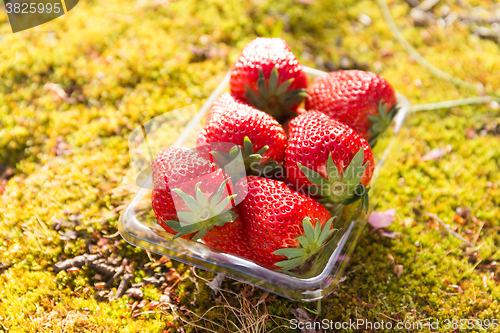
(273, 98)
(203, 213)
(381, 121)
(252, 160)
(310, 243)
(346, 189)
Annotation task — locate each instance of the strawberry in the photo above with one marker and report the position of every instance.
(191, 195)
(285, 228)
(231, 238)
(261, 137)
(328, 158)
(268, 75)
(365, 101)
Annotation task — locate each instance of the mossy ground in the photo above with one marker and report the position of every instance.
(122, 62)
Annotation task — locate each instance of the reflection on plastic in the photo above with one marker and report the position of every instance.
(209, 194)
(147, 140)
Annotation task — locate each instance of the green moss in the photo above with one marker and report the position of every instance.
(124, 62)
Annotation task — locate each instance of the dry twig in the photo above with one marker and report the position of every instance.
(448, 229)
(123, 285)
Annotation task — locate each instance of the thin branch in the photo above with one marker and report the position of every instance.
(449, 104)
(421, 60)
(93, 261)
(116, 234)
(476, 237)
(101, 267)
(123, 285)
(118, 272)
(77, 261)
(448, 229)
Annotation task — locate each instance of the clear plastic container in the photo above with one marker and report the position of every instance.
(139, 227)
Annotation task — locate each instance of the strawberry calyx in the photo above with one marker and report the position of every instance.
(254, 163)
(381, 121)
(344, 189)
(310, 243)
(273, 98)
(203, 214)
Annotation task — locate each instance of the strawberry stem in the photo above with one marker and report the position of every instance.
(345, 188)
(381, 122)
(274, 98)
(203, 213)
(310, 243)
(253, 161)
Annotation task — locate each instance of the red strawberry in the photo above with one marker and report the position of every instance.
(268, 75)
(329, 158)
(231, 238)
(365, 101)
(232, 121)
(285, 228)
(191, 194)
